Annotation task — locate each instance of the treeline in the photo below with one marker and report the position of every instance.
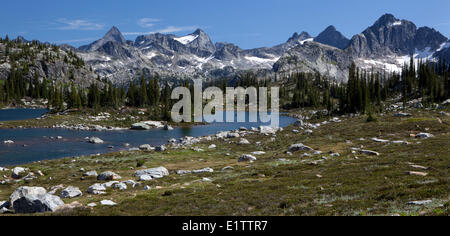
(18, 50)
(365, 90)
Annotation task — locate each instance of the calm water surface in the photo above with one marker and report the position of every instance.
(32, 145)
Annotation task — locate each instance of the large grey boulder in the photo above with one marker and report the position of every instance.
(299, 147)
(34, 199)
(153, 172)
(18, 172)
(108, 175)
(71, 192)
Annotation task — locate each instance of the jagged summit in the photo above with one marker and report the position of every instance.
(330, 36)
(114, 34)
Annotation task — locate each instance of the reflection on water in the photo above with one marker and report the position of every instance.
(20, 114)
(36, 144)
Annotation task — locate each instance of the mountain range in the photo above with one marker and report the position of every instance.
(384, 46)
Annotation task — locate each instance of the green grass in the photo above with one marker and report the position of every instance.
(351, 184)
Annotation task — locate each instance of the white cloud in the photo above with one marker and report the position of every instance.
(79, 25)
(167, 30)
(147, 22)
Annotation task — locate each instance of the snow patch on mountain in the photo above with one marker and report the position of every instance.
(186, 39)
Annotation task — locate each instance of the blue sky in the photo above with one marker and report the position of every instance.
(247, 23)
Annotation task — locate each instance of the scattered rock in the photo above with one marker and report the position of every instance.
(71, 192)
(68, 207)
(92, 173)
(34, 199)
(204, 170)
(212, 146)
(206, 180)
(366, 152)
(108, 175)
(258, 153)
(95, 140)
(92, 204)
(308, 131)
(243, 141)
(417, 173)
(120, 186)
(420, 203)
(419, 167)
(147, 187)
(108, 203)
(246, 157)
(424, 135)
(146, 147)
(380, 140)
(299, 147)
(18, 172)
(335, 155)
(168, 127)
(8, 142)
(156, 173)
(140, 126)
(145, 178)
(97, 189)
(132, 183)
(402, 114)
(161, 148)
(227, 168)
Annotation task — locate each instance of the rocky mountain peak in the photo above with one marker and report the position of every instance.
(330, 36)
(114, 34)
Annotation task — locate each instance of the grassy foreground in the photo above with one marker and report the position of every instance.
(277, 183)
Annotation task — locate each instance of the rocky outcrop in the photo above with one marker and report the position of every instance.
(33, 200)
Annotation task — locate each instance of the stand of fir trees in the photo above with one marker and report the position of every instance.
(366, 91)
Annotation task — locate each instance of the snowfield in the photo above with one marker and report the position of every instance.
(186, 39)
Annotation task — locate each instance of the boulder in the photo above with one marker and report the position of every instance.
(110, 184)
(108, 203)
(156, 173)
(132, 183)
(246, 157)
(204, 170)
(97, 189)
(161, 148)
(420, 203)
(71, 192)
(168, 127)
(92, 173)
(33, 199)
(243, 141)
(140, 126)
(424, 135)
(145, 178)
(146, 147)
(18, 172)
(120, 186)
(417, 173)
(258, 153)
(108, 175)
(299, 147)
(380, 140)
(95, 140)
(66, 208)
